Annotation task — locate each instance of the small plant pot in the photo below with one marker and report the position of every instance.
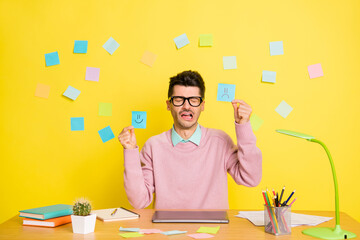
(83, 224)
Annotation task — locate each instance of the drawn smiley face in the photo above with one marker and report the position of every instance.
(226, 93)
(138, 119)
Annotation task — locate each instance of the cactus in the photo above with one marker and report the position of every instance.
(82, 207)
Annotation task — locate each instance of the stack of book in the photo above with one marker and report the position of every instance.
(48, 216)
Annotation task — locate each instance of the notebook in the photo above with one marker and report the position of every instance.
(190, 217)
(120, 214)
(52, 222)
(47, 212)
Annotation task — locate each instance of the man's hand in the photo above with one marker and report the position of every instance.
(242, 111)
(127, 138)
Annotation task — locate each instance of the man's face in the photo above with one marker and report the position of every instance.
(185, 116)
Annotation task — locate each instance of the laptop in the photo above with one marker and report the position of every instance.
(190, 217)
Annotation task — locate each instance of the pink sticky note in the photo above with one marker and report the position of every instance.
(149, 231)
(315, 71)
(92, 74)
(200, 235)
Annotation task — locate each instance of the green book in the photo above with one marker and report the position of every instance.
(47, 212)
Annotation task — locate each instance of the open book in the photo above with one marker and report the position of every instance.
(115, 214)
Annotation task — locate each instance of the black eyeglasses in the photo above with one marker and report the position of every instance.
(178, 101)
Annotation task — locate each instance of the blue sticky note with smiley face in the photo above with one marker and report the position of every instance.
(138, 119)
(226, 92)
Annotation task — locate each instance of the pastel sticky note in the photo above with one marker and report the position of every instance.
(92, 74)
(52, 59)
(212, 230)
(149, 231)
(284, 109)
(173, 232)
(80, 46)
(42, 90)
(255, 122)
(206, 40)
(131, 235)
(181, 41)
(276, 48)
(105, 109)
(315, 71)
(138, 119)
(106, 134)
(111, 45)
(77, 123)
(268, 76)
(229, 62)
(200, 235)
(148, 58)
(129, 229)
(226, 92)
(71, 93)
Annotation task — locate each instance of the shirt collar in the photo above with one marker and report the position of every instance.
(195, 138)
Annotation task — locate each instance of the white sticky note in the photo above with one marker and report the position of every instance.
(284, 109)
(268, 76)
(71, 93)
(229, 62)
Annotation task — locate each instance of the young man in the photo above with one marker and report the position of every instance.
(186, 167)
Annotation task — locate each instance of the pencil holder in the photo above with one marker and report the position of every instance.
(277, 220)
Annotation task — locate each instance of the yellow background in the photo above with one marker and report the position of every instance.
(43, 162)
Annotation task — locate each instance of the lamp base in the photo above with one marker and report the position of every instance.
(329, 233)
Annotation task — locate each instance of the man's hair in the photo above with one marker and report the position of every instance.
(187, 79)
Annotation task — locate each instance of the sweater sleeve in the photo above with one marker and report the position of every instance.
(244, 162)
(138, 177)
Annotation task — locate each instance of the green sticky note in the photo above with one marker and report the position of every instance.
(256, 122)
(212, 230)
(206, 40)
(131, 235)
(105, 109)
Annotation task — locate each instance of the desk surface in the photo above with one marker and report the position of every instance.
(238, 228)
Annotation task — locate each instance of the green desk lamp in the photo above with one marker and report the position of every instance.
(324, 232)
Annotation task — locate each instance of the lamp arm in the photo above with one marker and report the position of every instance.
(337, 214)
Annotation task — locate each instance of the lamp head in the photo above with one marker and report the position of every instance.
(295, 134)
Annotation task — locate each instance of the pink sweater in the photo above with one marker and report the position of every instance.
(188, 176)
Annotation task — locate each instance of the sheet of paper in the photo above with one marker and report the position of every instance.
(106, 134)
(268, 76)
(42, 90)
(201, 235)
(284, 109)
(148, 58)
(92, 74)
(150, 231)
(111, 45)
(181, 41)
(131, 235)
(71, 93)
(80, 46)
(105, 109)
(212, 230)
(77, 123)
(52, 59)
(173, 232)
(229, 62)
(226, 92)
(255, 122)
(129, 229)
(315, 71)
(138, 119)
(276, 48)
(206, 40)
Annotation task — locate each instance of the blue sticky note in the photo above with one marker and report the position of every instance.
(284, 109)
(52, 59)
(106, 134)
(77, 124)
(173, 232)
(276, 48)
(229, 62)
(71, 93)
(129, 229)
(269, 76)
(80, 46)
(138, 119)
(111, 45)
(181, 41)
(226, 92)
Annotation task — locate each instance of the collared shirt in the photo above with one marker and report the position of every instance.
(195, 138)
